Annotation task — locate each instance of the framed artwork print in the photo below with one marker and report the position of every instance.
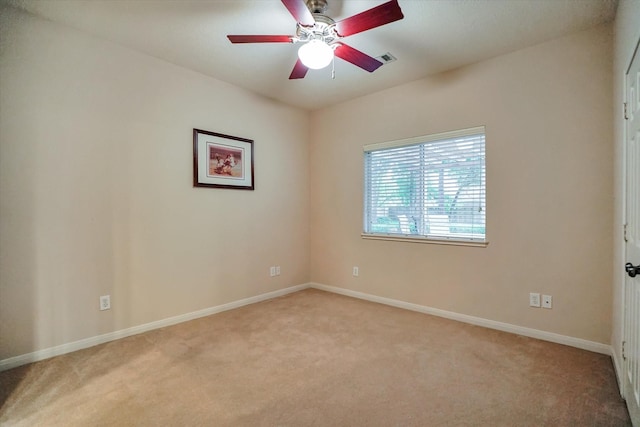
(222, 161)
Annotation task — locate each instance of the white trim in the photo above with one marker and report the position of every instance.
(619, 237)
(425, 239)
(47, 353)
(479, 130)
(491, 324)
(58, 350)
(618, 367)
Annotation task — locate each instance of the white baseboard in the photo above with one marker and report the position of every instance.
(46, 353)
(491, 324)
(618, 366)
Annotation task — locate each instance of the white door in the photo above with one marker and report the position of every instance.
(632, 247)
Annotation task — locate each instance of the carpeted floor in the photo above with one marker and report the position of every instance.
(317, 359)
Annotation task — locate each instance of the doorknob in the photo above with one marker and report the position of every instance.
(631, 269)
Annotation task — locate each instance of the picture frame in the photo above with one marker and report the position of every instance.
(222, 161)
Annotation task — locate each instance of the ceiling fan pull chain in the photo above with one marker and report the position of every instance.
(333, 68)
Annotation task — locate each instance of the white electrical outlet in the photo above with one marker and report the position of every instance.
(277, 270)
(546, 301)
(534, 299)
(272, 271)
(356, 271)
(105, 302)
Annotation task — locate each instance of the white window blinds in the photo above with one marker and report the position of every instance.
(431, 187)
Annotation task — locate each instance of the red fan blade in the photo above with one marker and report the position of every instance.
(300, 12)
(372, 18)
(299, 71)
(260, 39)
(357, 58)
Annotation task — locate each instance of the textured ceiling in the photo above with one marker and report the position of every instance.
(434, 36)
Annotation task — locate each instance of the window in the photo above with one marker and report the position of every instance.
(430, 188)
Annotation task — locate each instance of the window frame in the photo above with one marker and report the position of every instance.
(419, 140)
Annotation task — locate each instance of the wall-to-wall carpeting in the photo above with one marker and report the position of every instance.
(316, 358)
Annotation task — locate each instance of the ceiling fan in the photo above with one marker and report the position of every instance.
(321, 36)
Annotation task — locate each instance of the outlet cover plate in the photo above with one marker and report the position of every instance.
(105, 302)
(547, 301)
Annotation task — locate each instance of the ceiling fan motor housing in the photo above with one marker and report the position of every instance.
(323, 29)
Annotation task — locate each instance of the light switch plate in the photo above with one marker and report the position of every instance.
(534, 299)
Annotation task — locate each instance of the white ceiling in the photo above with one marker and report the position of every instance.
(434, 36)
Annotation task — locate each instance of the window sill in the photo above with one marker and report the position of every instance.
(428, 240)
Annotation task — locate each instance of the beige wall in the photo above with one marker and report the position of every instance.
(547, 112)
(96, 194)
(97, 197)
(626, 36)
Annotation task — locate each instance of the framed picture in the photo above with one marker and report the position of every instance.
(222, 161)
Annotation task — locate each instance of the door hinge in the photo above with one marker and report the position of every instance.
(625, 233)
(624, 356)
(626, 117)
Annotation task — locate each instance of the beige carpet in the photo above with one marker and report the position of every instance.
(317, 359)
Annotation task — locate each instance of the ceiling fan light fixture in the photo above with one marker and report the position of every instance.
(315, 54)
